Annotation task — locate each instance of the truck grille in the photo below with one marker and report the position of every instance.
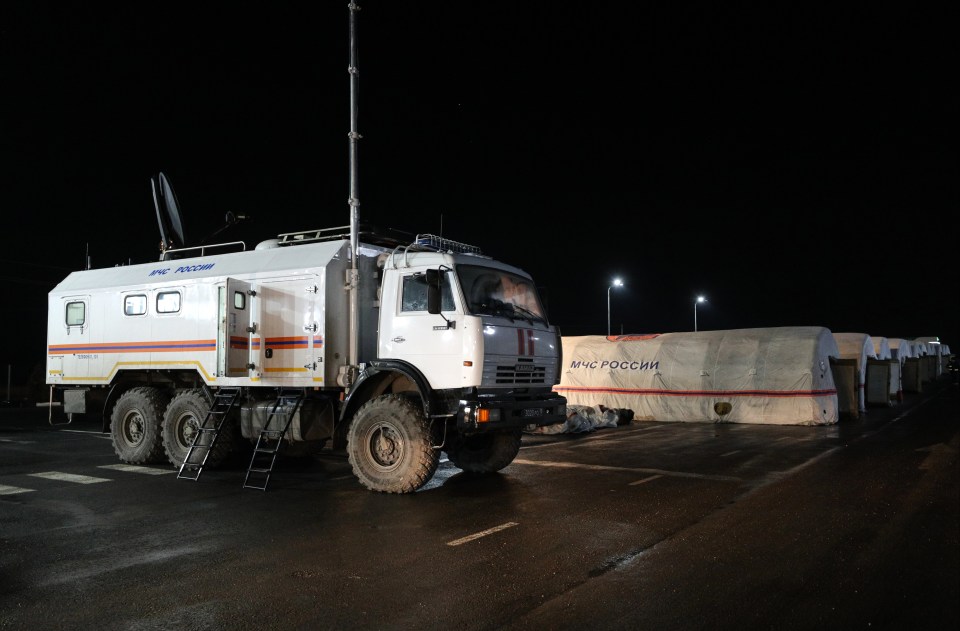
(522, 372)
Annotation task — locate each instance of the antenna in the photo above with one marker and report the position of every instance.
(168, 214)
(348, 373)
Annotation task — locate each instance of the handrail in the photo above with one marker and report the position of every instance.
(203, 249)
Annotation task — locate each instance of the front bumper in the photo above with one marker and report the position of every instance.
(484, 413)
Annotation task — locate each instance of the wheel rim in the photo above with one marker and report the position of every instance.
(133, 427)
(187, 429)
(385, 446)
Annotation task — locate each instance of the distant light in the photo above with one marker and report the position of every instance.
(616, 283)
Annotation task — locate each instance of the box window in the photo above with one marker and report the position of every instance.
(168, 302)
(76, 313)
(134, 305)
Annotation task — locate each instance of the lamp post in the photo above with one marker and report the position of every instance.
(616, 283)
(698, 300)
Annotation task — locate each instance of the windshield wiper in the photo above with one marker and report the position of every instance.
(530, 314)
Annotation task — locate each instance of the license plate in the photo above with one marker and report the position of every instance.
(533, 412)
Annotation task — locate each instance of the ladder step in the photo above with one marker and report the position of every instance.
(283, 410)
(224, 401)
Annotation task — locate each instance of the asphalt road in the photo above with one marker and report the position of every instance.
(644, 526)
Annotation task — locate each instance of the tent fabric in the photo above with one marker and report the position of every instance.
(582, 418)
(778, 375)
(882, 346)
(901, 349)
(858, 346)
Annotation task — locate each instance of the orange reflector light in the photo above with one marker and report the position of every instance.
(468, 363)
(483, 415)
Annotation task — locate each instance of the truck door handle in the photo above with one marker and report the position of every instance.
(398, 339)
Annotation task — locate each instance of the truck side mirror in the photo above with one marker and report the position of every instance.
(433, 291)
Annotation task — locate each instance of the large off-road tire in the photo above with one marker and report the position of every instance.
(181, 423)
(390, 445)
(485, 453)
(135, 425)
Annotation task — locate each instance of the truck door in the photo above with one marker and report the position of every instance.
(292, 330)
(234, 336)
(69, 351)
(411, 334)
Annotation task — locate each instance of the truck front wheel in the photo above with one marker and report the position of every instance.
(135, 426)
(485, 453)
(389, 445)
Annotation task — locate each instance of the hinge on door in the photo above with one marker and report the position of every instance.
(252, 328)
(312, 289)
(310, 327)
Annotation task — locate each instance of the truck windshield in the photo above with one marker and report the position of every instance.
(491, 291)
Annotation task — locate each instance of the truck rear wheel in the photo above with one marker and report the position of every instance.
(135, 426)
(389, 445)
(485, 453)
(181, 423)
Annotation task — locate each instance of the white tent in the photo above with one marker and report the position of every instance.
(857, 346)
(779, 375)
(935, 348)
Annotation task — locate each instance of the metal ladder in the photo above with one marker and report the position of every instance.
(265, 452)
(224, 401)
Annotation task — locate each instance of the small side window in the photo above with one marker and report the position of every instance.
(134, 305)
(168, 302)
(239, 300)
(414, 293)
(76, 313)
(414, 296)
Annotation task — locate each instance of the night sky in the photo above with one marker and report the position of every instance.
(794, 163)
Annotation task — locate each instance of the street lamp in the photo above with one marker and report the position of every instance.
(616, 283)
(699, 299)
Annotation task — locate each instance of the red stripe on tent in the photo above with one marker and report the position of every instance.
(700, 393)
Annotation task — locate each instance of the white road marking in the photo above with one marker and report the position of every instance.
(730, 453)
(132, 468)
(482, 533)
(68, 477)
(598, 467)
(17, 442)
(13, 490)
(647, 479)
(95, 434)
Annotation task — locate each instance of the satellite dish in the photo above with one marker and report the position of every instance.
(168, 214)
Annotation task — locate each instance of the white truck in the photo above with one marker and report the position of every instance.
(412, 349)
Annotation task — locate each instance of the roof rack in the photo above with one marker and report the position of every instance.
(311, 236)
(387, 237)
(434, 242)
